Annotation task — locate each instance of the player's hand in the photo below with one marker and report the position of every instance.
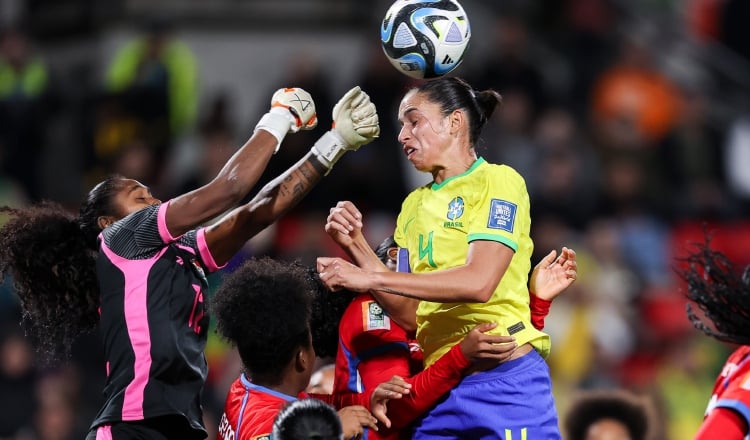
(553, 275)
(355, 119)
(355, 123)
(344, 223)
(354, 419)
(485, 350)
(298, 105)
(338, 274)
(395, 388)
(292, 109)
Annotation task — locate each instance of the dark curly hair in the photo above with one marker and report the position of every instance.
(50, 255)
(721, 291)
(327, 309)
(310, 419)
(263, 308)
(593, 406)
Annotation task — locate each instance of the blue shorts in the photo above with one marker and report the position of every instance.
(513, 401)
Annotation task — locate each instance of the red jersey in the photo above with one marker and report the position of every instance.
(372, 348)
(250, 409)
(732, 388)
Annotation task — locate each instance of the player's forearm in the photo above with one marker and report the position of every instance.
(281, 194)
(428, 387)
(399, 293)
(343, 399)
(226, 190)
(459, 284)
(539, 310)
(273, 201)
(401, 309)
(362, 254)
(242, 171)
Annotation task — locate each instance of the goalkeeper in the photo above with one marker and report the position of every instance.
(135, 268)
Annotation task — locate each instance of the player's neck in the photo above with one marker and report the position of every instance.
(455, 167)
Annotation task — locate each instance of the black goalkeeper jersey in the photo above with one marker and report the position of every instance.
(154, 320)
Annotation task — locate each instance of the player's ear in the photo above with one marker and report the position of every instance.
(302, 361)
(104, 220)
(457, 120)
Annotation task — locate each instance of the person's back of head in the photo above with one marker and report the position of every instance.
(263, 308)
(608, 415)
(310, 419)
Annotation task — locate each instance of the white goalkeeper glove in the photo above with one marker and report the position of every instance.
(355, 123)
(292, 110)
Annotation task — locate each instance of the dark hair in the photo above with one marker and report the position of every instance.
(264, 309)
(310, 419)
(453, 93)
(100, 201)
(593, 406)
(382, 250)
(720, 291)
(327, 308)
(48, 253)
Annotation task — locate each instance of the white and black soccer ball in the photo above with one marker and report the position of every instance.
(425, 38)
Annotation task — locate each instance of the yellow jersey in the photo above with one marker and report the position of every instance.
(436, 224)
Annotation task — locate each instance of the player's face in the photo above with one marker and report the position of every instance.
(425, 134)
(133, 197)
(607, 429)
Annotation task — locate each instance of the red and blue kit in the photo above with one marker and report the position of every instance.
(250, 409)
(731, 391)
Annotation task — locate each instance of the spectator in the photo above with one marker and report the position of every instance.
(608, 415)
(25, 104)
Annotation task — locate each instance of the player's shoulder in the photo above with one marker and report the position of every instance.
(503, 175)
(497, 169)
(413, 199)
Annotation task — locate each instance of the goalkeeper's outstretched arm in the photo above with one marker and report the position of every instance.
(355, 123)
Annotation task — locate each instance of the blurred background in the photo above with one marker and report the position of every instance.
(629, 119)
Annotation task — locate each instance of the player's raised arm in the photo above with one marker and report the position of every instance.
(344, 225)
(355, 123)
(292, 109)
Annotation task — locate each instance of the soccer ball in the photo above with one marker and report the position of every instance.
(425, 38)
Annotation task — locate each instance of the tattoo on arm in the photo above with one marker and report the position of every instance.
(397, 292)
(308, 171)
(298, 182)
(299, 190)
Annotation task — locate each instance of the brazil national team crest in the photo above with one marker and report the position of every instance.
(375, 317)
(455, 211)
(502, 215)
(455, 208)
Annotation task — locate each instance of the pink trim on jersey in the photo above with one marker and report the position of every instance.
(135, 307)
(161, 221)
(208, 259)
(185, 248)
(104, 432)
